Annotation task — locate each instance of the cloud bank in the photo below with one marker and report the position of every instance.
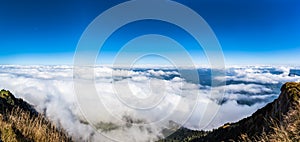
(155, 99)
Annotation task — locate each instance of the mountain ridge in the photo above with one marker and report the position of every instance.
(277, 121)
(20, 122)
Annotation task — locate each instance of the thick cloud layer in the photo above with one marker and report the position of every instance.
(171, 98)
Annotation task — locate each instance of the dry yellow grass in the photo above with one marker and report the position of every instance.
(281, 131)
(18, 125)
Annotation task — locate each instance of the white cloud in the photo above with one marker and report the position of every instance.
(51, 90)
(261, 75)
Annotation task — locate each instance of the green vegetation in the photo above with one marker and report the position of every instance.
(184, 135)
(6, 95)
(106, 127)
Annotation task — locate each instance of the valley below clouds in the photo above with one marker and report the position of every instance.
(141, 104)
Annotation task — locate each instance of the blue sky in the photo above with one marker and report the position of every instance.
(250, 32)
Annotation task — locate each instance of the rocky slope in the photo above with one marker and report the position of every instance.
(277, 121)
(19, 121)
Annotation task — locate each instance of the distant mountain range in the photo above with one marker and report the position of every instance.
(277, 121)
(294, 72)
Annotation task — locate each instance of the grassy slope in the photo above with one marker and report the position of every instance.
(21, 123)
(277, 121)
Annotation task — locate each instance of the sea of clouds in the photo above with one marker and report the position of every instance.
(141, 104)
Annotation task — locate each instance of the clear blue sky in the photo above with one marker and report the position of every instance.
(250, 32)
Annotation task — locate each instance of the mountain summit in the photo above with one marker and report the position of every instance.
(277, 121)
